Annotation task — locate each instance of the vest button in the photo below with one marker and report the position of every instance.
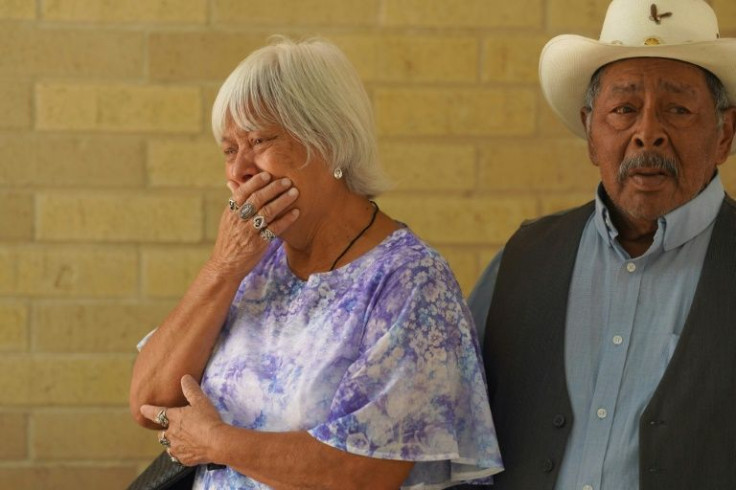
(559, 421)
(548, 465)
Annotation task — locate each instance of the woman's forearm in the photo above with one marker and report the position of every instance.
(183, 342)
(288, 460)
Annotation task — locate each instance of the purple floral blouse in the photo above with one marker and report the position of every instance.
(377, 358)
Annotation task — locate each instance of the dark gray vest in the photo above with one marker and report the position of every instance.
(688, 430)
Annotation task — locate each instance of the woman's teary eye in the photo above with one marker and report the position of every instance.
(258, 140)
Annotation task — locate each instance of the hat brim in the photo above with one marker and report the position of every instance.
(568, 62)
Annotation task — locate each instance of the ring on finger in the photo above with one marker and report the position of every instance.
(259, 222)
(164, 441)
(162, 419)
(232, 205)
(267, 234)
(247, 211)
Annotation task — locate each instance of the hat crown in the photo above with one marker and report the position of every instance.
(657, 22)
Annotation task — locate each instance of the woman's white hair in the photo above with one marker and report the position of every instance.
(312, 90)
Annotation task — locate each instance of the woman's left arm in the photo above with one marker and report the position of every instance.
(197, 435)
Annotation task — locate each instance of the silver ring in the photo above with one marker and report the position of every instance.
(267, 234)
(164, 441)
(232, 205)
(247, 211)
(259, 222)
(162, 419)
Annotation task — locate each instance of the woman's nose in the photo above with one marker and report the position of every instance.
(242, 167)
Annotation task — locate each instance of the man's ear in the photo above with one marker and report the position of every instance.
(727, 134)
(585, 115)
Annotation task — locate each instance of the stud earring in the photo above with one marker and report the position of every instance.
(337, 173)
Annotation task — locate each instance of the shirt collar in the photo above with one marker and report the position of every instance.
(679, 225)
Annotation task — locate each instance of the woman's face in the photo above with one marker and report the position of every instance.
(273, 150)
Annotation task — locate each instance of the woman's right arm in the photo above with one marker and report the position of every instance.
(183, 343)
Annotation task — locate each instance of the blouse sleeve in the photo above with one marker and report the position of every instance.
(417, 391)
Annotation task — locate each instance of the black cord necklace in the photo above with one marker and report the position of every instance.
(373, 218)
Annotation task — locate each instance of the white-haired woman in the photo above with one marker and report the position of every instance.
(322, 345)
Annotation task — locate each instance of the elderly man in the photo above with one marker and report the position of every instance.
(610, 329)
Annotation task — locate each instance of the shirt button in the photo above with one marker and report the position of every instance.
(587, 487)
(631, 267)
(602, 413)
(618, 340)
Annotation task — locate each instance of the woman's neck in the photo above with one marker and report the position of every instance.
(342, 234)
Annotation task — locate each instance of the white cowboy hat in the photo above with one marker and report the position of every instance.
(685, 30)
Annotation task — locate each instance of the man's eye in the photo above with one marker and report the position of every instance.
(229, 151)
(680, 110)
(624, 109)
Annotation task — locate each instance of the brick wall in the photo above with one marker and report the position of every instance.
(111, 185)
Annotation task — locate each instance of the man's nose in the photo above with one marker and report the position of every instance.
(650, 133)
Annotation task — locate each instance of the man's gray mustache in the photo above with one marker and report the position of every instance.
(669, 166)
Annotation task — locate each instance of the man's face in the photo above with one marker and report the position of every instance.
(649, 108)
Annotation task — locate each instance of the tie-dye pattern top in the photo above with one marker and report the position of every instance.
(378, 358)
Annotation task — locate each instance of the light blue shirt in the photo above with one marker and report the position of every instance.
(624, 318)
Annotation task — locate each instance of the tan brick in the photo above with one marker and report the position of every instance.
(554, 164)
(430, 166)
(180, 11)
(13, 329)
(8, 270)
(17, 9)
(68, 477)
(214, 206)
(61, 161)
(73, 52)
(463, 265)
(555, 202)
(119, 217)
(182, 56)
(464, 13)
(726, 12)
(168, 272)
(388, 58)
(16, 216)
(95, 327)
(549, 124)
(460, 221)
(13, 427)
(304, 12)
(184, 163)
(15, 105)
(65, 380)
(66, 106)
(75, 271)
(584, 17)
(209, 93)
(448, 112)
(91, 435)
(511, 59)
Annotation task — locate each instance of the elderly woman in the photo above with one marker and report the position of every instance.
(322, 344)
